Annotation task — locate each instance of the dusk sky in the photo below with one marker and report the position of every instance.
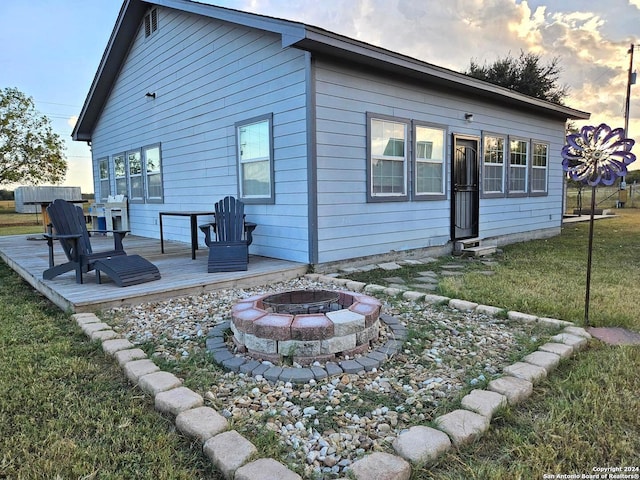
(50, 49)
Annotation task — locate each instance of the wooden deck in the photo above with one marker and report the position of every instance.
(28, 256)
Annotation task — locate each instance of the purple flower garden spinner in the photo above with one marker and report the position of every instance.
(597, 155)
(594, 156)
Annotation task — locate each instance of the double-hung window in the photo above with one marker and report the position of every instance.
(153, 173)
(514, 165)
(429, 153)
(138, 174)
(388, 161)
(518, 166)
(539, 167)
(120, 169)
(255, 160)
(136, 185)
(493, 165)
(105, 179)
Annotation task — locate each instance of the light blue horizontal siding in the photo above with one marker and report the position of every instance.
(208, 75)
(350, 227)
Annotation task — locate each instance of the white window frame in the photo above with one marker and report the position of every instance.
(435, 158)
(267, 156)
(374, 155)
(135, 197)
(518, 167)
(148, 174)
(104, 181)
(489, 161)
(124, 179)
(537, 168)
(121, 179)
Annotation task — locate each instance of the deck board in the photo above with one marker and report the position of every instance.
(28, 256)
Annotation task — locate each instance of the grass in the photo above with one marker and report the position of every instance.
(66, 411)
(12, 223)
(606, 197)
(585, 416)
(8, 215)
(548, 277)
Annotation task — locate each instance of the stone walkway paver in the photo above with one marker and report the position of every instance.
(564, 351)
(157, 382)
(615, 336)
(178, 400)
(526, 371)
(548, 361)
(125, 356)
(137, 368)
(265, 469)
(462, 305)
(575, 341)
(201, 423)
(111, 347)
(229, 451)
(103, 335)
(515, 389)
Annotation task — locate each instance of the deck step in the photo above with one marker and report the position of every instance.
(460, 245)
(472, 247)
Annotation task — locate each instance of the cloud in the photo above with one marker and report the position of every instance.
(593, 65)
(72, 120)
(589, 39)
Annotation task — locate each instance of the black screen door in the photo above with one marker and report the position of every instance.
(465, 192)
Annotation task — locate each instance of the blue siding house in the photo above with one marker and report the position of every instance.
(340, 150)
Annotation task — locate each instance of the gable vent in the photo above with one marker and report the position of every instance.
(150, 22)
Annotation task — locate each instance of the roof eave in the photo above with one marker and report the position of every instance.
(322, 41)
(128, 22)
(294, 34)
(129, 19)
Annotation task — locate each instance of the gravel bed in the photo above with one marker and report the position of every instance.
(325, 425)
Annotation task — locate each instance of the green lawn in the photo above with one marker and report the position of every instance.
(548, 277)
(584, 416)
(67, 412)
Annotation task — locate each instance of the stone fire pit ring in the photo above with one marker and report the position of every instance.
(231, 359)
(333, 323)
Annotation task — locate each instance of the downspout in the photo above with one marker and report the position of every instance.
(312, 160)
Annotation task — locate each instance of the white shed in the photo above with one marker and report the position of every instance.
(24, 195)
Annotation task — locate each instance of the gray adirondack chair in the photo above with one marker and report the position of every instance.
(69, 228)
(229, 252)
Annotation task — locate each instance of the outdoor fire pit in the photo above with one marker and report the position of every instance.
(302, 301)
(305, 326)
